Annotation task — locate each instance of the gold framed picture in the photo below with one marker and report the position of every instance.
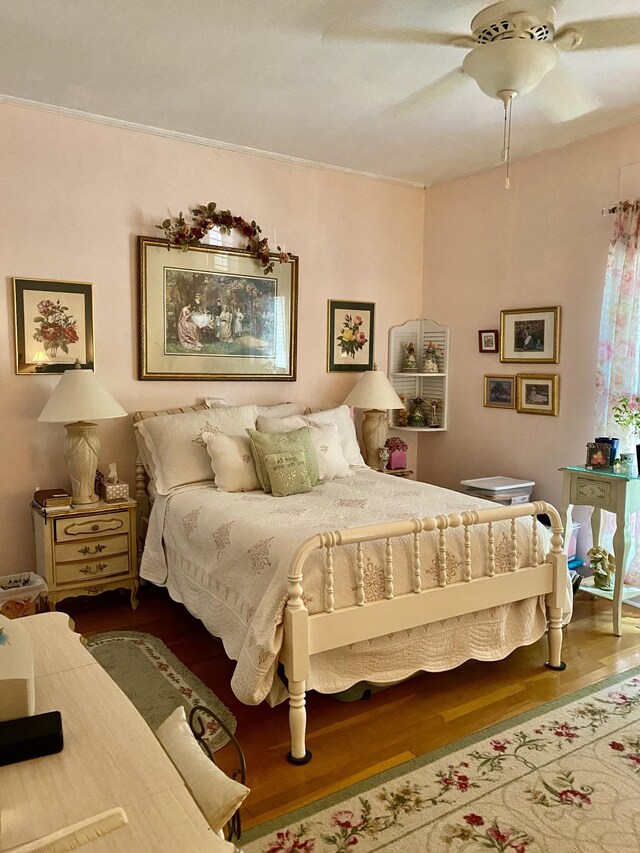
(537, 393)
(211, 313)
(530, 335)
(500, 392)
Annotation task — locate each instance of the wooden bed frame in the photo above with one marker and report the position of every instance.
(307, 634)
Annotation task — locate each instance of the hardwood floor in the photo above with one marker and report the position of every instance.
(351, 741)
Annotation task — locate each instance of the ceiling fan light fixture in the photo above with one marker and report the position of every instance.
(515, 65)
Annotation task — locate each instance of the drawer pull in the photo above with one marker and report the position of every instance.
(87, 549)
(95, 527)
(88, 570)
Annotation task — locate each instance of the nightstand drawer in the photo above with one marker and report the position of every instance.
(593, 492)
(92, 570)
(103, 524)
(68, 552)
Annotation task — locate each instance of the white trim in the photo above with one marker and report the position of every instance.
(200, 140)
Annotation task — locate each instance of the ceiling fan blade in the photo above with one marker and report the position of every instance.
(563, 97)
(440, 88)
(356, 31)
(604, 33)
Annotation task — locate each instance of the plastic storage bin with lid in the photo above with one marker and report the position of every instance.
(502, 490)
(19, 594)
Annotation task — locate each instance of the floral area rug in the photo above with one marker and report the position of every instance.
(564, 778)
(155, 680)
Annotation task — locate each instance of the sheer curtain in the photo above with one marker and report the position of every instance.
(618, 371)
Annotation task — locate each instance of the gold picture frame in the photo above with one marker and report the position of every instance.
(53, 325)
(499, 391)
(530, 335)
(211, 313)
(537, 394)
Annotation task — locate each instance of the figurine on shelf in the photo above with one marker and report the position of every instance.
(403, 413)
(430, 364)
(416, 418)
(432, 417)
(410, 364)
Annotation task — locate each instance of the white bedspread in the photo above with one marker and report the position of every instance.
(226, 557)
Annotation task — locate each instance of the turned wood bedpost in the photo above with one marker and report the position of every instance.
(556, 598)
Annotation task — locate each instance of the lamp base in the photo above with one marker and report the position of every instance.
(374, 435)
(81, 454)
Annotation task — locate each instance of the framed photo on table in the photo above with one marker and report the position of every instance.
(211, 313)
(537, 394)
(530, 335)
(350, 328)
(500, 392)
(53, 325)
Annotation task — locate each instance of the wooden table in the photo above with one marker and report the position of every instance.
(110, 758)
(604, 490)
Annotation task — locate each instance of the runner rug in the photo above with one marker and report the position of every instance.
(564, 778)
(155, 680)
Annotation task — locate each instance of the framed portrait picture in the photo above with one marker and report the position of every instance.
(488, 340)
(537, 394)
(350, 336)
(598, 455)
(530, 334)
(212, 313)
(500, 392)
(53, 325)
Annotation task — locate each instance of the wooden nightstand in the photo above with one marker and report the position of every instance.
(87, 549)
(399, 472)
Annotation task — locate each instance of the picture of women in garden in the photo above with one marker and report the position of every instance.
(220, 315)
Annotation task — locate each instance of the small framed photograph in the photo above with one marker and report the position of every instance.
(350, 328)
(488, 340)
(211, 313)
(530, 334)
(598, 455)
(500, 392)
(537, 393)
(53, 325)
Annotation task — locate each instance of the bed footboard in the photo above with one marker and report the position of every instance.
(306, 634)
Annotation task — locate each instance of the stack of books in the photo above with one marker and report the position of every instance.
(52, 500)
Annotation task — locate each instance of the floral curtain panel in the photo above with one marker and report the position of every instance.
(618, 372)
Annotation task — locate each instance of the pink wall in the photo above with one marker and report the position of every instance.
(543, 242)
(74, 196)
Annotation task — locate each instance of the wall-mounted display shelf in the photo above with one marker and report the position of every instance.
(420, 383)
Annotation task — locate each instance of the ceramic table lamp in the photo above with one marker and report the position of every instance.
(374, 393)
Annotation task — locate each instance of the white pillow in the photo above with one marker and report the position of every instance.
(326, 442)
(232, 462)
(217, 796)
(282, 410)
(341, 417)
(176, 448)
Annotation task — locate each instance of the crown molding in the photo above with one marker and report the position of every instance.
(200, 140)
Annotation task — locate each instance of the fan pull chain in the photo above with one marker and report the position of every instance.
(507, 97)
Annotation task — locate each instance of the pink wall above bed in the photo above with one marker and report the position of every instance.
(75, 195)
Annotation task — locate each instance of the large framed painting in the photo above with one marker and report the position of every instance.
(530, 335)
(537, 393)
(211, 313)
(53, 325)
(350, 336)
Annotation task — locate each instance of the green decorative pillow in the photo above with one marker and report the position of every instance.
(264, 443)
(288, 473)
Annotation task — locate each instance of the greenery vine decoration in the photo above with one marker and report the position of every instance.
(205, 217)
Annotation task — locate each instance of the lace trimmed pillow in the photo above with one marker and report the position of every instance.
(232, 462)
(332, 462)
(264, 443)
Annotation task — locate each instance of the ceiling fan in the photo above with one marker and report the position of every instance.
(513, 44)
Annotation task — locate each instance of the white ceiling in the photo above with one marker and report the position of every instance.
(310, 79)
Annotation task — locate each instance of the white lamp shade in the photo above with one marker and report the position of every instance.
(373, 391)
(512, 65)
(80, 396)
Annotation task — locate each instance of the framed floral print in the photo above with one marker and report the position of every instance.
(488, 340)
(530, 334)
(350, 336)
(53, 325)
(500, 392)
(537, 393)
(211, 312)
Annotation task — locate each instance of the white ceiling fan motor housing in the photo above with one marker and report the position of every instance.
(523, 19)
